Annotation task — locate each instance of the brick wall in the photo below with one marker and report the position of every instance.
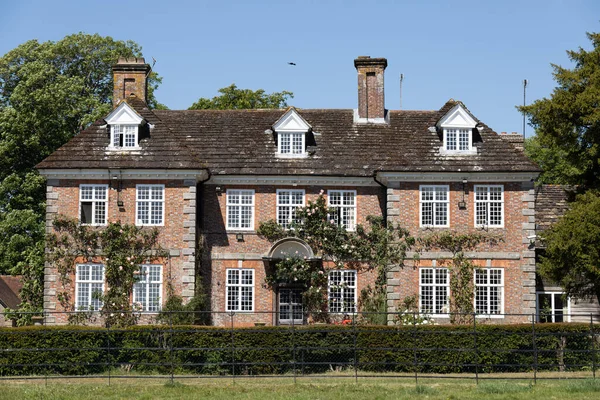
(512, 253)
(177, 236)
(222, 250)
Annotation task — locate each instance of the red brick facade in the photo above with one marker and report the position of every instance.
(199, 155)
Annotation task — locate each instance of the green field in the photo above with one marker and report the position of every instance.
(305, 388)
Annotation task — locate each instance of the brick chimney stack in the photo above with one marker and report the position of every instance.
(371, 102)
(129, 76)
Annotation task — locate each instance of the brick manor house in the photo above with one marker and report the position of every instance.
(208, 178)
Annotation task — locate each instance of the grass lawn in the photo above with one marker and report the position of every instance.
(305, 388)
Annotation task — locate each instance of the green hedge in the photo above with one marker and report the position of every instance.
(76, 350)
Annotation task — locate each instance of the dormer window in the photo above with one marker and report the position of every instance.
(124, 124)
(292, 143)
(457, 129)
(291, 130)
(457, 139)
(124, 136)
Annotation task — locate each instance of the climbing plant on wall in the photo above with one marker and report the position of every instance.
(375, 247)
(121, 248)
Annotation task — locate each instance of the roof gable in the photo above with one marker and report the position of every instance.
(291, 121)
(124, 114)
(458, 117)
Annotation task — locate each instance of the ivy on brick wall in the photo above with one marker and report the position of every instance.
(122, 248)
(376, 247)
(460, 267)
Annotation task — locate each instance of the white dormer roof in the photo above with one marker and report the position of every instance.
(291, 121)
(124, 114)
(457, 117)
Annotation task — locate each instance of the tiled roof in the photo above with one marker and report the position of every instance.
(9, 290)
(235, 142)
(551, 203)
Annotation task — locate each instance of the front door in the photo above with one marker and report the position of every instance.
(290, 307)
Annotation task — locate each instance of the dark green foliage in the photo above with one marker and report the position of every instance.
(232, 98)
(567, 124)
(277, 350)
(572, 248)
(48, 92)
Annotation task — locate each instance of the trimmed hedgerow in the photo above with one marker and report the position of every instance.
(72, 350)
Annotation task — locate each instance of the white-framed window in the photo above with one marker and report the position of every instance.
(124, 136)
(342, 291)
(434, 210)
(150, 205)
(89, 286)
(457, 139)
(489, 206)
(552, 307)
(288, 201)
(344, 203)
(240, 209)
(434, 290)
(489, 291)
(240, 290)
(147, 290)
(93, 204)
(291, 143)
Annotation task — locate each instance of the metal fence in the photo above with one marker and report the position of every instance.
(405, 345)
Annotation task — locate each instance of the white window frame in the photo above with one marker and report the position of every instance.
(119, 134)
(489, 285)
(290, 141)
(79, 282)
(456, 133)
(149, 201)
(435, 287)
(240, 207)
(351, 209)
(95, 203)
(144, 285)
(566, 316)
(239, 286)
(434, 202)
(487, 203)
(290, 207)
(330, 289)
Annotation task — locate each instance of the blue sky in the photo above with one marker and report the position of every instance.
(475, 51)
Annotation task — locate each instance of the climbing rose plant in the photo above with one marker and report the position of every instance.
(122, 248)
(374, 248)
(460, 267)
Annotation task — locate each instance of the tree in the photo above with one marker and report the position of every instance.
(567, 124)
(554, 162)
(572, 248)
(232, 98)
(48, 92)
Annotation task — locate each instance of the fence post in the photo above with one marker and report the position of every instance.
(476, 349)
(45, 334)
(171, 347)
(294, 346)
(232, 349)
(593, 337)
(414, 321)
(355, 353)
(535, 352)
(108, 364)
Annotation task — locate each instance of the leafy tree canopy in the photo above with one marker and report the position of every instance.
(567, 124)
(232, 98)
(48, 92)
(572, 256)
